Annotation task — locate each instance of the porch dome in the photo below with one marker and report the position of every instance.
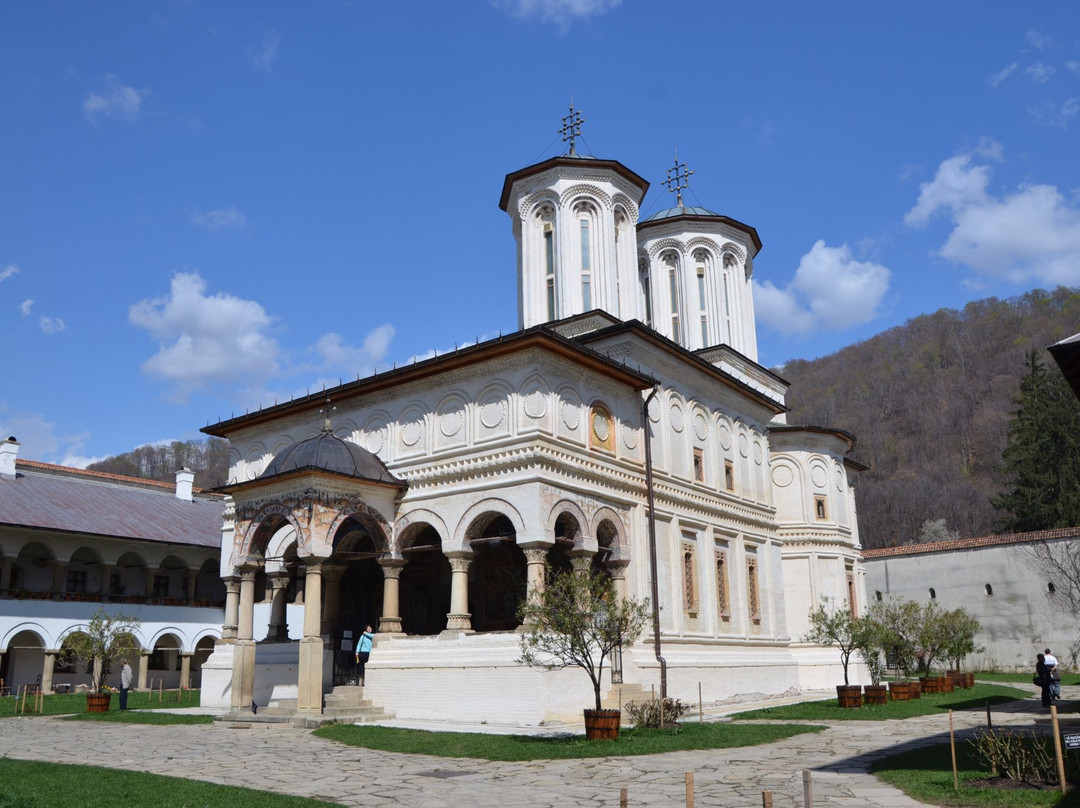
(329, 453)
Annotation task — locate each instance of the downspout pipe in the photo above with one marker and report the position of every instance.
(652, 540)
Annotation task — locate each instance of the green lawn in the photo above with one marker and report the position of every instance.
(926, 775)
(974, 698)
(29, 784)
(689, 735)
(64, 703)
(140, 717)
(1025, 678)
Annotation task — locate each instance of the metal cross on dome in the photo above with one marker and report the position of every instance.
(680, 180)
(571, 126)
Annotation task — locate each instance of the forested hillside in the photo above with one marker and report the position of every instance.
(208, 458)
(929, 402)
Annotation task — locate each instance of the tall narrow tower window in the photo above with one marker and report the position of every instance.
(586, 268)
(673, 289)
(646, 292)
(699, 270)
(729, 264)
(549, 268)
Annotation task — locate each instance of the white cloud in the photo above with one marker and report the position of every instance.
(560, 12)
(1039, 72)
(114, 101)
(1037, 39)
(1051, 114)
(207, 340)
(8, 271)
(830, 291)
(52, 325)
(219, 219)
(263, 58)
(39, 440)
(1003, 74)
(1029, 236)
(225, 344)
(1073, 67)
(25, 307)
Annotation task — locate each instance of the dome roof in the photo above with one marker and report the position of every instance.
(682, 210)
(327, 452)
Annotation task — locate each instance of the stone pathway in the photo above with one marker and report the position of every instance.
(294, 761)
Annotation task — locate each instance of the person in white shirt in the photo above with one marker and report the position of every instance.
(1055, 674)
(125, 684)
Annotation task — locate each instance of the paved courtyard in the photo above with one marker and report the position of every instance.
(296, 762)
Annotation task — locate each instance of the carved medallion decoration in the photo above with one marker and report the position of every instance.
(412, 432)
(571, 415)
(535, 404)
(450, 422)
(677, 420)
(375, 440)
(701, 426)
(744, 446)
(654, 411)
(840, 480)
(758, 453)
(723, 432)
(782, 476)
(600, 426)
(818, 476)
(493, 413)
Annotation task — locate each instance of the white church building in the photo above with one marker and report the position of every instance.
(628, 416)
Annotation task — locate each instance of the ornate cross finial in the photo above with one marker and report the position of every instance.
(680, 180)
(571, 126)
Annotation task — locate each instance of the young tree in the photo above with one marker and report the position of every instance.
(106, 639)
(1043, 454)
(834, 624)
(578, 620)
(897, 625)
(959, 629)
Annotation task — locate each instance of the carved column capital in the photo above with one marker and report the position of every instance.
(392, 567)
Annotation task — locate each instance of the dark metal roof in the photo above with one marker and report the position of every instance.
(682, 210)
(71, 503)
(694, 214)
(327, 452)
(576, 160)
(1067, 354)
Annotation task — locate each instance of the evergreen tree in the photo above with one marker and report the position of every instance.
(1042, 457)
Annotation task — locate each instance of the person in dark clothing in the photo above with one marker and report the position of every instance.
(1042, 678)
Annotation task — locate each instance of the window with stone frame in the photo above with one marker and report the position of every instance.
(689, 576)
(821, 508)
(161, 586)
(723, 592)
(853, 605)
(729, 475)
(753, 597)
(699, 464)
(601, 428)
(76, 582)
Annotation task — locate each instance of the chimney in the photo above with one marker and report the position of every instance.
(185, 478)
(9, 451)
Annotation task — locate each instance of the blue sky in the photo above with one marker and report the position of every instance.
(206, 206)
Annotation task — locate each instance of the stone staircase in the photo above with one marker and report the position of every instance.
(343, 705)
(629, 692)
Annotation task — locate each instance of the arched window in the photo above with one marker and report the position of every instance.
(671, 268)
(933, 594)
(546, 219)
(585, 216)
(646, 292)
(989, 589)
(701, 262)
(1050, 587)
(729, 267)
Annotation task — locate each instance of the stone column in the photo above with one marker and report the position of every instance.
(47, 669)
(535, 559)
(150, 573)
(144, 669)
(309, 686)
(59, 584)
(278, 630)
(185, 669)
(617, 569)
(232, 610)
(192, 579)
(582, 561)
(390, 622)
(243, 680)
(459, 618)
(103, 581)
(331, 598)
(5, 574)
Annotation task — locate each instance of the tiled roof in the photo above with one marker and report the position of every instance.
(48, 497)
(972, 544)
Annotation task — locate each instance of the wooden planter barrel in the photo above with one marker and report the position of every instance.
(602, 725)
(876, 694)
(98, 702)
(932, 684)
(903, 691)
(849, 695)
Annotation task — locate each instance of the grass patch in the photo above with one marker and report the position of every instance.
(65, 703)
(1023, 678)
(520, 747)
(30, 784)
(828, 709)
(926, 775)
(132, 717)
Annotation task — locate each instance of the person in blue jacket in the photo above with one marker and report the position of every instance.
(363, 650)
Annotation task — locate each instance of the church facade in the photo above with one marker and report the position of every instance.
(427, 501)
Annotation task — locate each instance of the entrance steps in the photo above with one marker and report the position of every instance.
(342, 705)
(620, 694)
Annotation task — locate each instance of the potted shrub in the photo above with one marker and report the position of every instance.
(960, 629)
(579, 620)
(105, 640)
(836, 625)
